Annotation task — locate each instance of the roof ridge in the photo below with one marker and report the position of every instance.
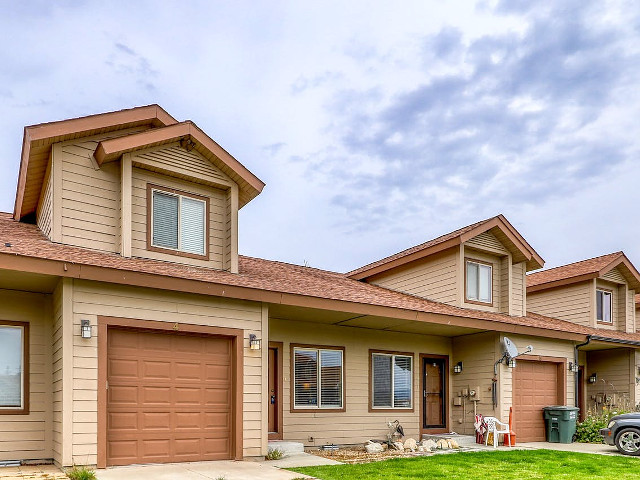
(574, 263)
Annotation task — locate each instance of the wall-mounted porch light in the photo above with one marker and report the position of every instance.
(512, 363)
(457, 368)
(254, 342)
(593, 378)
(573, 367)
(85, 328)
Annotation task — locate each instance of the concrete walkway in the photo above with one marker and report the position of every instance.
(227, 470)
(600, 449)
(32, 472)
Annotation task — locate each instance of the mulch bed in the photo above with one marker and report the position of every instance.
(360, 455)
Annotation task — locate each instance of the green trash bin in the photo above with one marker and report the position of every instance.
(560, 423)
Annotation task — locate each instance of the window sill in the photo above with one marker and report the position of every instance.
(318, 410)
(602, 322)
(177, 253)
(14, 411)
(390, 409)
(477, 302)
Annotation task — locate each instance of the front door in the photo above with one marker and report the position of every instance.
(434, 401)
(273, 399)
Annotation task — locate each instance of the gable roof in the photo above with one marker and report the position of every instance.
(37, 141)
(499, 224)
(23, 247)
(249, 185)
(584, 270)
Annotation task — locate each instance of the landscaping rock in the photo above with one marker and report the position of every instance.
(442, 444)
(454, 444)
(373, 447)
(397, 446)
(410, 444)
(429, 444)
(420, 449)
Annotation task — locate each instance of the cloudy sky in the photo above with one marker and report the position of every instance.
(375, 125)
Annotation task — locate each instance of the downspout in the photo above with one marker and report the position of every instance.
(577, 374)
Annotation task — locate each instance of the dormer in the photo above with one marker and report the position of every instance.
(598, 292)
(135, 183)
(482, 266)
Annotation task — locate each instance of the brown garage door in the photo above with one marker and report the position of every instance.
(535, 385)
(169, 397)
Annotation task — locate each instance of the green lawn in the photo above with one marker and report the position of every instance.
(514, 465)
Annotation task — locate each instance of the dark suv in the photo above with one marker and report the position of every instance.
(624, 432)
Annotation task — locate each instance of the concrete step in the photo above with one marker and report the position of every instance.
(287, 448)
(463, 440)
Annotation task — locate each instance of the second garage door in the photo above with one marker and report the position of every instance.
(535, 385)
(169, 397)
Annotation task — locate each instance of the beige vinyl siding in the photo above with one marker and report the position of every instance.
(91, 299)
(505, 284)
(541, 347)
(177, 161)
(90, 196)
(56, 367)
(44, 212)
(571, 303)
(477, 353)
(498, 284)
(487, 241)
(631, 311)
(29, 436)
(356, 424)
(434, 278)
(217, 217)
(614, 276)
(518, 289)
(615, 377)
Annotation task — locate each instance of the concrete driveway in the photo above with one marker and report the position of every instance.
(227, 470)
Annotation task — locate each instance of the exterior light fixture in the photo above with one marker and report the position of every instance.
(457, 368)
(573, 367)
(254, 342)
(593, 378)
(512, 363)
(85, 328)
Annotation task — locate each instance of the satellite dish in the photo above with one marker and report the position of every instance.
(510, 348)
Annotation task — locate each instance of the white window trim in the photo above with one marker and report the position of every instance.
(180, 197)
(393, 382)
(319, 351)
(22, 370)
(466, 289)
(605, 292)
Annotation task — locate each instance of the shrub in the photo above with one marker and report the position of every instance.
(274, 454)
(588, 431)
(81, 473)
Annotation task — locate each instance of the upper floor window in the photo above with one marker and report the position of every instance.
(479, 282)
(14, 371)
(178, 221)
(318, 378)
(603, 306)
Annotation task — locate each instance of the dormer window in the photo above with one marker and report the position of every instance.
(603, 306)
(479, 282)
(178, 222)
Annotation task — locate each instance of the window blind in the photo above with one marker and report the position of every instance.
(381, 380)
(402, 382)
(306, 378)
(11, 340)
(331, 378)
(192, 218)
(165, 220)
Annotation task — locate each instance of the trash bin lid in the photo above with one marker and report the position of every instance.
(563, 408)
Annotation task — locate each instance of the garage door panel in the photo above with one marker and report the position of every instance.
(169, 397)
(535, 385)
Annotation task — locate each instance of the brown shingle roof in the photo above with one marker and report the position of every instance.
(577, 270)
(26, 241)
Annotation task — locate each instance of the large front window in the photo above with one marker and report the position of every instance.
(318, 377)
(14, 337)
(479, 280)
(391, 380)
(178, 222)
(603, 306)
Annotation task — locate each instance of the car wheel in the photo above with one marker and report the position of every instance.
(628, 441)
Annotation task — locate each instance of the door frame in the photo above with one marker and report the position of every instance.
(278, 346)
(581, 397)
(445, 393)
(237, 379)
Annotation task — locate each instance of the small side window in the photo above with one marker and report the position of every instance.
(603, 306)
(479, 284)
(14, 368)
